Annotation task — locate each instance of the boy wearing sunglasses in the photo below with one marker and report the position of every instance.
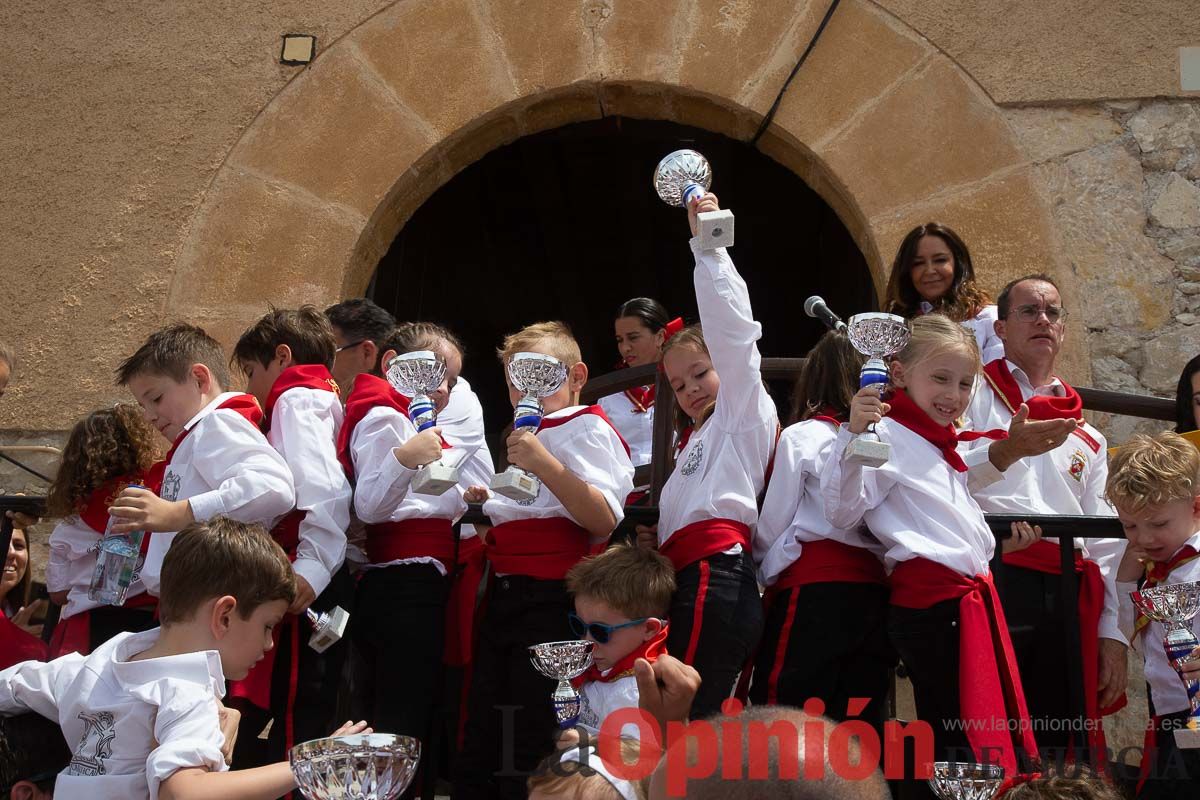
(621, 600)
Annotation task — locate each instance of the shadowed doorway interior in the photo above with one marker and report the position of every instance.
(566, 225)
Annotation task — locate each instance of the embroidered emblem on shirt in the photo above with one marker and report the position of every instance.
(95, 745)
(695, 456)
(170, 486)
(1078, 463)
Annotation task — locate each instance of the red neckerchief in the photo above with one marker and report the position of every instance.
(368, 392)
(684, 436)
(243, 404)
(649, 650)
(93, 509)
(548, 422)
(1157, 573)
(1041, 407)
(309, 376)
(829, 414)
(943, 437)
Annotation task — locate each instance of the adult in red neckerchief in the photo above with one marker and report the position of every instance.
(641, 326)
(1058, 467)
(945, 619)
(286, 356)
(219, 464)
(585, 474)
(106, 451)
(1155, 486)
(710, 502)
(824, 584)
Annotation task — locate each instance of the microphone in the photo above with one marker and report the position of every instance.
(815, 307)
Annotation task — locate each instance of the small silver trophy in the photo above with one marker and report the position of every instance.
(877, 336)
(364, 766)
(961, 780)
(1174, 605)
(563, 661)
(415, 375)
(328, 627)
(536, 376)
(684, 175)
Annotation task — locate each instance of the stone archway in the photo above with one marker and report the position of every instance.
(887, 129)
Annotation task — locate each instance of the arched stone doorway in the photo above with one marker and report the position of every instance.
(879, 123)
(565, 224)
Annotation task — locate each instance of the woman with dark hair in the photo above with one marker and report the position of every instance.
(18, 633)
(933, 272)
(1187, 400)
(641, 327)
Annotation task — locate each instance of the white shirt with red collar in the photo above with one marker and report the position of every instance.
(1068, 480)
(131, 724)
(224, 466)
(917, 505)
(304, 426)
(636, 425)
(721, 469)
(793, 512)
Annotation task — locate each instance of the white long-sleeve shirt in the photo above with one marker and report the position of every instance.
(636, 427)
(304, 427)
(916, 504)
(722, 468)
(131, 724)
(462, 426)
(73, 548)
(793, 512)
(1068, 480)
(223, 467)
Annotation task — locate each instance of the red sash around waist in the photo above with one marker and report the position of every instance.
(460, 607)
(539, 548)
(74, 633)
(989, 686)
(287, 532)
(830, 561)
(702, 539)
(412, 538)
(17, 645)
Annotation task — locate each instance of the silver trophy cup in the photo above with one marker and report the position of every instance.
(684, 175)
(563, 661)
(958, 780)
(535, 376)
(1173, 606)
(876, 336)
(368, 766)
(415, 375)
(328, 627)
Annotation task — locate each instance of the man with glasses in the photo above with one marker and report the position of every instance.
(1063, 471)
(360, 327)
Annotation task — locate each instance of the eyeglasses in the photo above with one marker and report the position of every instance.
(599, 632)
(348, 346)
(1030, 313)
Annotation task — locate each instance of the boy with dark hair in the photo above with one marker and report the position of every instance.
(286, 357)
(143, 707)
(219, 462)
(359, 330)
(32, 753)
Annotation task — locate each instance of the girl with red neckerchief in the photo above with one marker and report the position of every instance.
(945, 619)
(811, 567)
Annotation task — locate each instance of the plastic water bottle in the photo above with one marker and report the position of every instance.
(116, 562)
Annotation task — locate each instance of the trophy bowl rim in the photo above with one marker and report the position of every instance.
(1163, 590)
(566, 644)
(348, 742)
(414, 355)
(867, 316)
(526, 355)
(678, 153)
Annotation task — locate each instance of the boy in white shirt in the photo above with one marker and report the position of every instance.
(286, 357)
(1154, 483)
(621, 601)
(143, 708)
(219, 462)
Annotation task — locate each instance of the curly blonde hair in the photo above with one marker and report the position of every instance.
(1153, 471)
(108, 443)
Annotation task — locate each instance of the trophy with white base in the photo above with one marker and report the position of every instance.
(877, 336)
(328, 627)
(684, 175)
(963, 780)
(1173, 605)
(415, 375)
(563, 661)
(363, 766)
(536, 376)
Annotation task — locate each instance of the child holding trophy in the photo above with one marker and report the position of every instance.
(1154, 483)
(286, 357)
(945, 618)
(580, 473)
(811, 567)
(708, 505)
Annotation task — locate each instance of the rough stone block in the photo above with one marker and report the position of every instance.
(1046, 133)
(1177, 205)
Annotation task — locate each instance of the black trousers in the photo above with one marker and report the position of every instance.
(716, 622)
(827, 641)
(1174, 773)
(510, 720)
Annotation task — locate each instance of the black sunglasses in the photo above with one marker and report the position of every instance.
(599, 632)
